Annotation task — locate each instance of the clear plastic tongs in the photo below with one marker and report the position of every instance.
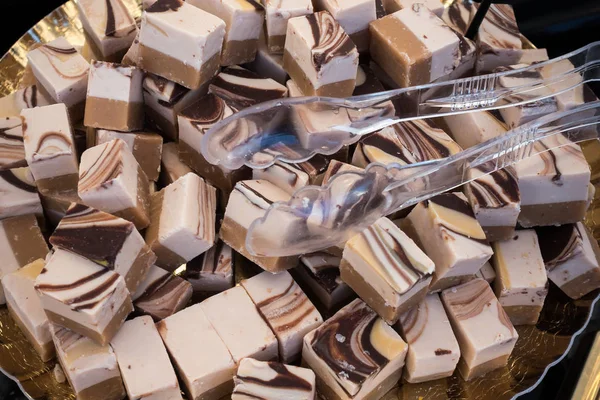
(293, 130)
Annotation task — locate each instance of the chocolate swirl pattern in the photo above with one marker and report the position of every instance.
(164, 6)
(12, 149)
(51, 144)
(269, 378)
(425, 141)
(62, 62)
(495, 190)
(558, 244)
(218, 260)
(30, 97)
(117, 18)
(384, 147)
(93, 234)
(330, 39)
(104, 169)
(16, 180)
(325, 268)
(207, 111)
(414, 322)
(168, 93)
(164, 297)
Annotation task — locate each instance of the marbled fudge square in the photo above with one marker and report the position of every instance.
(111, 180)
(49, 147)
(287, 310)
(521, 282)
(386, 269)
(338, 167)
(498, 40)
(355, 354)
(26, 308)
(571, 256)
(81, 295)
(109, 241)
(320, 57)
(109, 24)
(12, 148)
(28, 97)
(180, 42)
(354, 16)
(244, 20)
(182, 222)
(62, 73)
(278, 13)
(212, 272)
(114, 97)
(19, 194)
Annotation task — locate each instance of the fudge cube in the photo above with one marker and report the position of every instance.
(553, 184)
(391, 6)
(485, 334)
(56, 204)
(266, 63)
(62, 73)
(259, 379)
(144, 362)
(451, 236)
(49, 147)
(26, 308)
(337, 167)
(164, 99)
(355, 354)
(146, 148)
(570, 255)
(28, 97)
(90, 368)
(240, 325)
(320, 57)
(433, 350)
(413, 46)
(132, 55)
(291, 177)
(354, 17)
(498, 40)
(182, 222)
(521, 282)
(495, 199)
(244, 22)
(114, 97)
(161, 294)
(212, 272)
(319, 276)
(278, 13)
(109, 241)
(206, 370)
(110, 26)
(386, 269)
(249, 201)
(287, 310)
(21, 243)
(12, 147)
(470, 129)
(171, 167)
(180, 42)
(81, 295)
(568, 99)
(111, 180)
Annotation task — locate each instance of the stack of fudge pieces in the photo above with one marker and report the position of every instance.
(123, 251)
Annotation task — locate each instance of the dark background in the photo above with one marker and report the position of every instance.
(558, 25)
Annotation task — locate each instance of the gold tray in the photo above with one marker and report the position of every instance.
(538, 348)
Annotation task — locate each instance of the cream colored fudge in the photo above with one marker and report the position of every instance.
(278, 13)
(90, 368)
(206, 370)
(21, 243)
(182, 222)
(49, 147)
(570, 255)
(111, 180)
(81, 295)
(240, 325)
(62, 73)
(451, 236)
(109, 241)
(146, 147)
(413, 46)
(114, 97)
(110, 26)
(171, 167)
(268, 64)
(470, 129)
(287, 310)
(355, 354)
(337, 167)
(244, 21)
(568, 99)
(213, 271)
(391, 6)
(499, 40)
(495, 199)
(180, 42)
(161, 294)
(386, 269)
(271, 381)
(521, 282)
(320, 57)
(248, 201)
(354, 16)
(143, 360)
(28, 97)
(484, 331)
(18, 193)
(553, 184)
(433, 350)
(26, 308)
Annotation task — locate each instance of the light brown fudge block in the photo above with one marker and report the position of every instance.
(354, 16)
(171, 167)
(278, 13)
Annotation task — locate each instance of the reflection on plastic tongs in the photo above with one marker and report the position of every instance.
(295, 129)
(321, 217)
